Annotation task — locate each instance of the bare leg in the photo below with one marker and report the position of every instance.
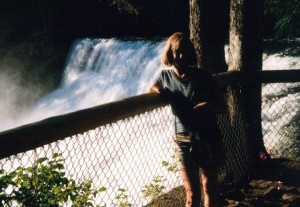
(210, 187)
(191, 182)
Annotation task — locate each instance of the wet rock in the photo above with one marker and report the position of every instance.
(290, 196)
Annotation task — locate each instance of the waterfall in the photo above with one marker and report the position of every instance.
(98, 71)
(103, 70)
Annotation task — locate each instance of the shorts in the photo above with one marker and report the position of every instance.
(191, 155)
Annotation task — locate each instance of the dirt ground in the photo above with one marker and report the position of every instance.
(273, 183)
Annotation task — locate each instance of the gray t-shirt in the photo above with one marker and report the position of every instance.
(197, 86)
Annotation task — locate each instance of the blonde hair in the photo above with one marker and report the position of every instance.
(173, 43)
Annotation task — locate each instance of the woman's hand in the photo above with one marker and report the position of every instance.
(201, 108)
(208, 106)
(202, 104)
(154, 89)
(165, 92)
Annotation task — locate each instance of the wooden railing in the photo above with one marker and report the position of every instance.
(268, 76)
(37, 134)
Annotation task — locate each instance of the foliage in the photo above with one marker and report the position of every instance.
(122, 198)
(171, 167)
(155, 188)
(130, 6)
(44, 185)
(135, 6)
(287, 14)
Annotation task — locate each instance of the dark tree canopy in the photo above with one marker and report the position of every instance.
(285, 15)
(281, 16)
(130, 6)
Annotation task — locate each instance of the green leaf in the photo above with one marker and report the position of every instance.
(12, 174)
(58, 166)
(42, 159)
(55, 155)
(25, 184)
(102, 189)
(165, 163)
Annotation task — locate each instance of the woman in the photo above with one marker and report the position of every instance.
(191, 92)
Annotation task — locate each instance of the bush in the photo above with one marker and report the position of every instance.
(44, 185)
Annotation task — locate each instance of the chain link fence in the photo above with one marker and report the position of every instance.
(281, 119)
(133, 159)
(123, 157)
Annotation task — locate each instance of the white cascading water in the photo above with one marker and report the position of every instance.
(102, 70)
(280, 111)
(97, 71)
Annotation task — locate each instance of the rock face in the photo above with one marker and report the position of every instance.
(274, 183)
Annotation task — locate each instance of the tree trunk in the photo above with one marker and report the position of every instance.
(208, 31)
(245, 54)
